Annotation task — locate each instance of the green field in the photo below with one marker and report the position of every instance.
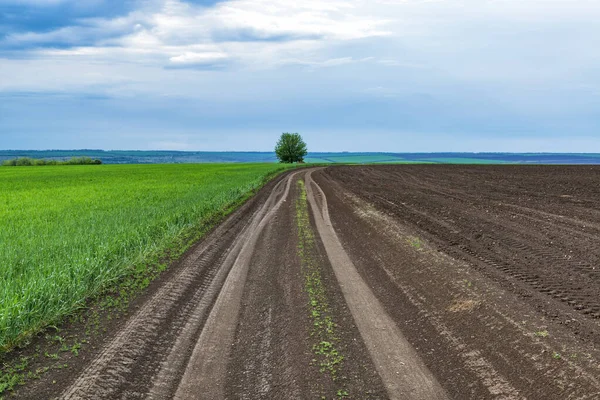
(69, 232)
(361, 158)
(463, 160)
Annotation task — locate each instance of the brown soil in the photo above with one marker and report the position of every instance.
(476, 264)
(443, 282)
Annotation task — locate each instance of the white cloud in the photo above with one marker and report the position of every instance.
(171, 32)
(191, 58)
(509, 49)
(310, 18)
(332, 62)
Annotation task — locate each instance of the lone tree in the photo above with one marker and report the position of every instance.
(290, 148)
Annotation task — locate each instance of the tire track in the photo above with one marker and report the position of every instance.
(206, 371)
(181, 307)
(401, 369)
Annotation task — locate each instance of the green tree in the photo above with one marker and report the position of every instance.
(290, 148)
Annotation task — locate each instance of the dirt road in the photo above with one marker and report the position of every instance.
(399, 282)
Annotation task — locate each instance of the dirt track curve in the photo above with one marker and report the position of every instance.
(405, 282)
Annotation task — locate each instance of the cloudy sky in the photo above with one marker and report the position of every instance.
(355, 75)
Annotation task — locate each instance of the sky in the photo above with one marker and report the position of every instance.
(349, 75)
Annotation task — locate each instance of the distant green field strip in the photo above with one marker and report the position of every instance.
(316, 160)
(353, 159)
(359, 159)
(459, 160)
(573, 155)
(403, 162)
(68, 232)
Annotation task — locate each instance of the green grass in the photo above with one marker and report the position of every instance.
(317, 160)
(403, 162)
(68, 233)
(461, 160)
(363, 158)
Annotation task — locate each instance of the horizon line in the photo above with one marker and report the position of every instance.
(310, 152)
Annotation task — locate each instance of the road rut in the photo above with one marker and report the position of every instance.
(400, 367)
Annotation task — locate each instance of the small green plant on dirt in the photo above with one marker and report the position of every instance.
(542, 333)
(58, 338)
(327, 356)
(75, 348)
(415, 242)
(13, 375)
(52, 356)
(556, 355)
(49, 352)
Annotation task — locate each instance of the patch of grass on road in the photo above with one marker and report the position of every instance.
(69, 233)
(327, 356)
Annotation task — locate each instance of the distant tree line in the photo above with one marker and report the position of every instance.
(27, 162)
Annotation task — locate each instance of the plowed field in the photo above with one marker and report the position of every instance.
(371, 282)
